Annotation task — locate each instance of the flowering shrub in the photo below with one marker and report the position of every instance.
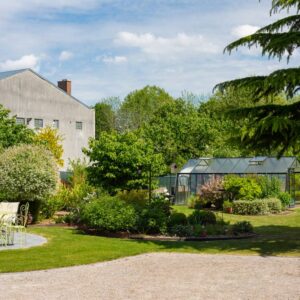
(212, 192)
(27, 173)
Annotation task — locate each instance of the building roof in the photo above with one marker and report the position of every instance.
(7, 74)
(240, 165)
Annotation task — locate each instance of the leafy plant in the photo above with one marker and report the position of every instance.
(227, 205)
(109, 214)
(241, 187)
(270, 186)
(242, 227)
(177, 219)
(194, 201)
(137, 198)
(285, 199)
(181, 230)
(274, 205)
(202, 217)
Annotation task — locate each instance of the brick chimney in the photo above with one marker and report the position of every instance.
(65, 85)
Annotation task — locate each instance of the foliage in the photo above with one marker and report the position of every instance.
(177, 219)
(202, 217)
(194, 201)
(226, 205)
(285, 199)
(27, 173)
(105, 118)
(140, 106)
(52, 140)
(241, 187)
(11, 133)
(108, 214)
(274, 205)
(154, 217)
(271, 126)
(212, 192)
(137, 198)
(256, 207)
(181, 230)
(53, 204)
(242, 227)
(116, 159)
(270, 186)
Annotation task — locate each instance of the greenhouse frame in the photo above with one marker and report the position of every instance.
(197, 172)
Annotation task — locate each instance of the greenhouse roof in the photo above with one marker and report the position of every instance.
(240, 165)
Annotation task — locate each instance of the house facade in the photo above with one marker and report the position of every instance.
(36, 102)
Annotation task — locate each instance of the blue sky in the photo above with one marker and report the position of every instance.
(112, 47)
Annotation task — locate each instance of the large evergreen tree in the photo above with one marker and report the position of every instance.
(272, 126)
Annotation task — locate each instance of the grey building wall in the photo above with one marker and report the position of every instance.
(27, 95)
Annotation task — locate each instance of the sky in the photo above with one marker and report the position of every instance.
(112, 47)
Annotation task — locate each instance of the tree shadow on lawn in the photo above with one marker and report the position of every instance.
(271, 241)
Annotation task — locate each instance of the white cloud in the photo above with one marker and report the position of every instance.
(244, 30)
(26, 61)
(151, 44)
(114, 59)
(65, 55)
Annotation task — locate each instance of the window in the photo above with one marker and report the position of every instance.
(55, 124)
(38, 123)
(20, 121)
(79, 125)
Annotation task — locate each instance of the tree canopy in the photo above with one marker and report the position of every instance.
(271, 126)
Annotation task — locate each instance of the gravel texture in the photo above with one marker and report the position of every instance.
(162, 276)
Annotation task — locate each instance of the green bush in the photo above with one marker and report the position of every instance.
(194, 202)
(181, 230)
(53, 204)
(252, 207)
(154, 217)
(274, 205)
(135, 197)
(241, 187)
(270, 186)
(109, 214)
(177, 219)
(202, 217)
(285, 199)
(27, 173)
(226, 205)
(242, 227)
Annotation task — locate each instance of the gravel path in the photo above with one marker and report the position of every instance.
(162, 276)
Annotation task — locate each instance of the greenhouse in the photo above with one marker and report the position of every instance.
(197, 172)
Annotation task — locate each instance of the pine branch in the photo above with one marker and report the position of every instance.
(283, 80)
(278, 5)
(292, 23)
(275, 44)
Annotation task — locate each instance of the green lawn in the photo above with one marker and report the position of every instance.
(279, 235)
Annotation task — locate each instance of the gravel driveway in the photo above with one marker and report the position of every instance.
(162, 276)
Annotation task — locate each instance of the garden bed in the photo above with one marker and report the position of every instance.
(191, 238)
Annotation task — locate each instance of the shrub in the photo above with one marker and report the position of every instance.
(252, 207)
(274, 205)
(155, 216)
(27, 173)
(212, 192)
(53, 204)
(177, 219)
(242, 227)
(241, 187)
(181, 230)
(202, 217)
(285, 199)
(109, 214)
(194, 202)
(226, 205)
(135, 197)
(270, 186)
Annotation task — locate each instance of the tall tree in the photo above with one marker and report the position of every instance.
(272, 126)
(139, 107)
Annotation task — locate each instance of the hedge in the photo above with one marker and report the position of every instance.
(256, 207)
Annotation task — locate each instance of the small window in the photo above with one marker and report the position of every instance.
(79, 125)
(38, 123)
(20, 121)
(55, 124)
